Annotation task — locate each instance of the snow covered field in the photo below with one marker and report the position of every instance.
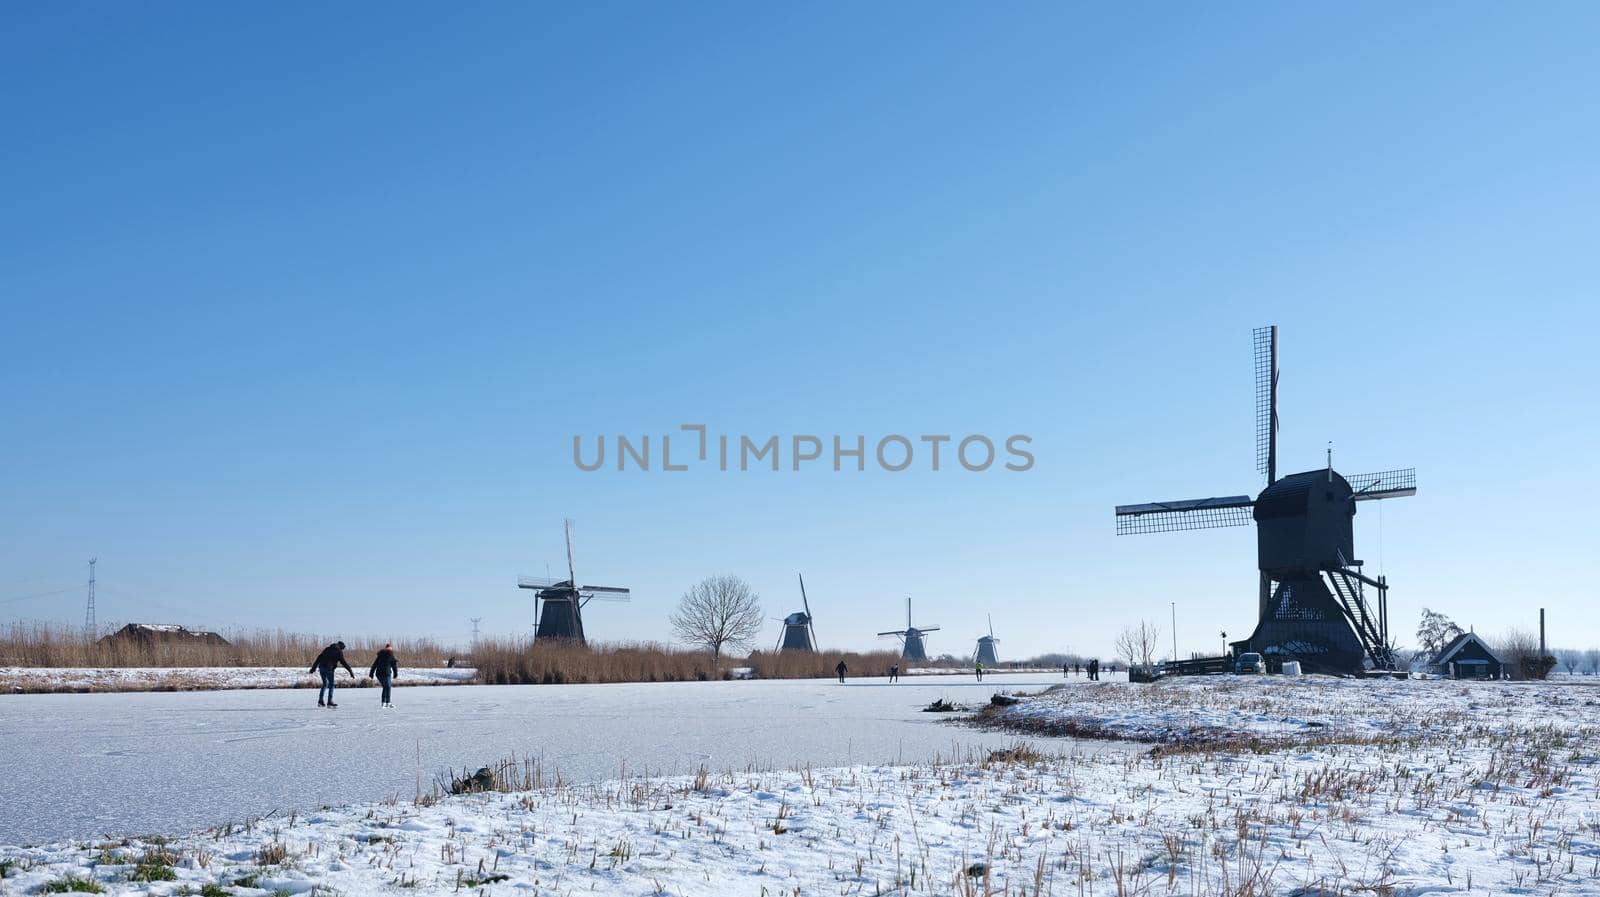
(1502, 796)
(1280, 708)
(81, 765)
(45, 680)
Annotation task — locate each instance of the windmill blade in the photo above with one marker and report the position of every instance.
(1191, 514)
(908, 611)
(991, 625)
(895, 632)
(571, 574)
(1386, 484)
(537, 582)
(927, 629)
(811, 628)
(1265, 341)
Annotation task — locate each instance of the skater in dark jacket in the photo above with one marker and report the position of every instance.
(326, 664)
(385, 668)
(841, 669)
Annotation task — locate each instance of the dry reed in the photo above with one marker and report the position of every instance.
(46, 645)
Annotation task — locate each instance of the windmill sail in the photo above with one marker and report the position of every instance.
(1387, 484)
(1189, 514)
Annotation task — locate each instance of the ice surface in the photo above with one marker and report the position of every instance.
(116, 764)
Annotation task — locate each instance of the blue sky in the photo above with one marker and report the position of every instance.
(303, 305)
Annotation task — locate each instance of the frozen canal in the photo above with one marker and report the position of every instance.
(79, 766)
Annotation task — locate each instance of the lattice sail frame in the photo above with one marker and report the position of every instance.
(1383, 484)
(1179, 516)
(1265, 339)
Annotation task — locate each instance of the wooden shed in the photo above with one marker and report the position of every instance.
(1467, 657)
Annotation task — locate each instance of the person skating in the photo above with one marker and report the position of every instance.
(1094, 670)
(326, 664)
(979, 670)
(894, 672)
(841, 669)
(384, 668)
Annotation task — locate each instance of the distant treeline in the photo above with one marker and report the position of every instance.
(54, 645)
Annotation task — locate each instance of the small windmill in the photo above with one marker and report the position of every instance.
(985, 653)
(564, 600)
(912, 646)
(798, 634)
(1311, 601)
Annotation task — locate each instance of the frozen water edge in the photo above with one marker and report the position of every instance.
(46, 680)
(89, 765)
(1512, 810)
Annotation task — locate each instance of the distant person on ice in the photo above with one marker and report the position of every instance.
(979, 670)
(841, 669)
(894, 672)
(384, 668)
(1094, 670)
(327, 663)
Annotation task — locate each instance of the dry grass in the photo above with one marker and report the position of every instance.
(522, 662)
(47, 645)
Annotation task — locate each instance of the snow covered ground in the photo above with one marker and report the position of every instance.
(1502, 797)
(44, 680)
(1279, 708)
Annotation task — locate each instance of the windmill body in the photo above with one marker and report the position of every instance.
(559, 604)
(913, 644)
(798, 634)
(1312, 601)
(985, 653)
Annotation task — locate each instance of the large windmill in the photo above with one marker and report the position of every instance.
(564, 600)
(911, 641)
(986, 654)
(798, 634)
(1312, 605)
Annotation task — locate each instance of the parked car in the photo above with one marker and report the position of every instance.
(1249, 662)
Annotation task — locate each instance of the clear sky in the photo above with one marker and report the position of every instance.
(303, 305)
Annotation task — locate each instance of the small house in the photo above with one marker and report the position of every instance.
(163, 634)
(1466, 657)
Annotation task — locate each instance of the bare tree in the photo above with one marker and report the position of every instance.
(1519, 653)
(1138, 644)
(1591, 660)
(1435, 631)
(719, 612)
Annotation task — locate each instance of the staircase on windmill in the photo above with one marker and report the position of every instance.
(912, 644)
(798, 633)
(561, 617)
(986, 654)
(1311, 602)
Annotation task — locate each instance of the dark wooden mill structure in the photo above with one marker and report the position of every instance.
(912, 644)
(1312, 602)
(561, 616)
(798, 633)
(985, 653)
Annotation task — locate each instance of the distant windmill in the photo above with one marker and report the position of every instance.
(1311, 602)
(564, 600)
(912, 646)
(798, 634)
(985, 653)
